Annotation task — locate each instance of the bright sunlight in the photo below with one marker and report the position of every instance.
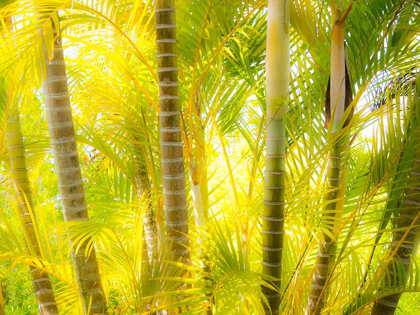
(209, 157)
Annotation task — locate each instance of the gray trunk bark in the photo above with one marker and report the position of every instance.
(70, 183)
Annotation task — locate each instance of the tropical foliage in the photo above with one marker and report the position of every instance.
(364, 207)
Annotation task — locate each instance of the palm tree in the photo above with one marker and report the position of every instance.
(404, 245)
(141, 177)
(40, 279)
(67, 167)
(278, 65)
(339, 94)
(222, 58)
(41, 282)
(172, 158)
(197, 172)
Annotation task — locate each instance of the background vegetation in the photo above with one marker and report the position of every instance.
(110, 56)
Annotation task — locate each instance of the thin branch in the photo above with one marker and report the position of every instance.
(346, 13)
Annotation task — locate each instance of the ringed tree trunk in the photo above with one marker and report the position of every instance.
(70, 183)
(172, 158)
(199, 190)
(41, 282)
(149, 220)
(149, 245)
(339, 99)
(403, 248)
(278, 73)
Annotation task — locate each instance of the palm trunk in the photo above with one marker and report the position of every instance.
(278, 72)
(199, 212)
(70, 183)
(403, 248)
(199, 190)
(149, 221)
(149, 244)
(335, 181)
(198, 175)
(172, 158)
(201, 160)
(2, 299)
(40, 279)
(327, 248)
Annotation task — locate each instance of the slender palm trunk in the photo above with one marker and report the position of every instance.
(2, 299)
(40, 279)
(198, 176)
(199, 210)
(172, 158)
(327, 248)
(149, 244)
(406, 249)
(335, 179)
(70, 183)
(149, 221)
(278, 73)
(149, 248)
(403, 247)
(201, 160)
(199, 191)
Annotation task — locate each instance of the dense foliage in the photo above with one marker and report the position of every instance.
(112, 76)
